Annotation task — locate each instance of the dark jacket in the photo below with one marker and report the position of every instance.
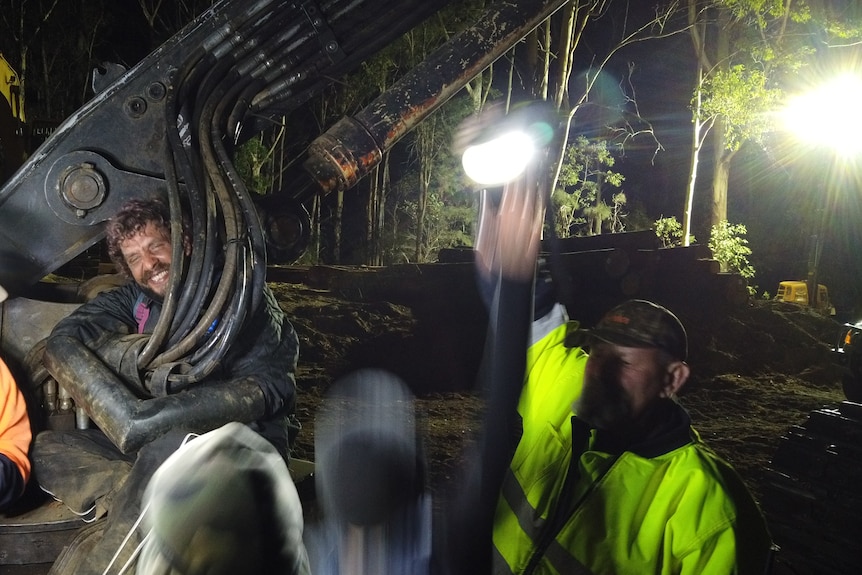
(265, 352)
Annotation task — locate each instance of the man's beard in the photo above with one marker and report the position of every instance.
(603, 404)
(151, 294)
(147, 290)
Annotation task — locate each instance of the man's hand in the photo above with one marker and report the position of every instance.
(510, 234)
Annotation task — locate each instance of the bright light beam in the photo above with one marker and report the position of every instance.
(499, 160)
(829, 116)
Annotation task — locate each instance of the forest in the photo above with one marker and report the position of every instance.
(668, 114)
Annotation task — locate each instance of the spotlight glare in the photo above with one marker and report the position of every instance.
(499, 160)
(829, 115)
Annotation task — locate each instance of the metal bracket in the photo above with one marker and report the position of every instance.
(325, 35)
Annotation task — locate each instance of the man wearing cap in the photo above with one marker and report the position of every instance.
(15, 436)
(608, 476)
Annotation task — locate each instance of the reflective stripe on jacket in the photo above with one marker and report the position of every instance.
(676, 509)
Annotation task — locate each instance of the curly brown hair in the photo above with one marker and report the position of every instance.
(130, 220)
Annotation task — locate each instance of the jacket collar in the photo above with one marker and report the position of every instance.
(673, 432)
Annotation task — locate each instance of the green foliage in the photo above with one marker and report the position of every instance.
(584, 175)
(760, 11)
(567, 208)
(670, 232)
(730, 249)
(740, 95)
(252, 162)
(449, 223)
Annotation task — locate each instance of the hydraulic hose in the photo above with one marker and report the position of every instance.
(265, 54)
(130, 421)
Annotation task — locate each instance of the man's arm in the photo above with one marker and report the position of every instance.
(108, 315)
(15, 436)
(506, 249)
(267, 353)
(130, 421)
(257, 382)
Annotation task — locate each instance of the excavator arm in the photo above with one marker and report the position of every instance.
(169, 124)
(236, 66)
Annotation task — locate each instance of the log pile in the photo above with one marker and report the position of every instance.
(594, 273)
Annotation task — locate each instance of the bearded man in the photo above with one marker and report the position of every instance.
(104, 469)
(608, 476)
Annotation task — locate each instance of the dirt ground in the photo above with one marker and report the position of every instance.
(758, 370)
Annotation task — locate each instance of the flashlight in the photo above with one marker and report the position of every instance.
(502, 151)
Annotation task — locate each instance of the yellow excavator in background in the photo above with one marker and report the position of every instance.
(797, 292)
(12, 140)
(19, 138)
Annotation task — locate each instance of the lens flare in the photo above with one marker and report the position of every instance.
(828, 116)
(499, 160)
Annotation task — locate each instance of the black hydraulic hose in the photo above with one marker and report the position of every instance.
(201, 289)
(215, 85)
(281, 65)
(283, 77)
(207, 357)
(250, 217)
(220, 68)
(172, 164)
(191, 284)
(190, 281)
(360, 37)
(203, 259)
(204, 250)
(215, 309)
(231, 212)
(177, 264)
(239, 36)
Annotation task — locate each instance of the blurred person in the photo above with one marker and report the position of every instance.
(93, 354)
(15, 436)
(376, 512)
(223, 503)
(607, 475)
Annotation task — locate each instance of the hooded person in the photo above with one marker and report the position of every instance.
(223, 503)
(370, 476)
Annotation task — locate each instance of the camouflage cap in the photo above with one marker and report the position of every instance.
(641, 323)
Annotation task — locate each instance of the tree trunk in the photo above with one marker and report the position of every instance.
(697, 31)
(721, 169)
(336, 226)
(421, 207)
(564, 53)
(315, 229)
(720, 177)
(597, 218)
(371, 208)
(381, 176)
(692, 170)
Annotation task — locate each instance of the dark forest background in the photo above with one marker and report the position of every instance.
(624, 76)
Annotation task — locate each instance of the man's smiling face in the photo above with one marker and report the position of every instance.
(148, 255)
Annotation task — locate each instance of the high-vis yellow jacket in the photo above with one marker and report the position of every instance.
(667, 505)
